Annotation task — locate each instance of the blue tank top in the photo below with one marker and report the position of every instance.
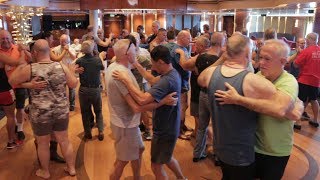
(234, 125)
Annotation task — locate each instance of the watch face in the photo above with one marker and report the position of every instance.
(133, 2)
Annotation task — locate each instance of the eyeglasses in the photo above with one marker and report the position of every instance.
(129, 47)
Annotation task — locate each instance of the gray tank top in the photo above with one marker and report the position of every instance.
(234, 125)
(53, 97)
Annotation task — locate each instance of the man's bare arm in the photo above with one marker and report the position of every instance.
(146, 74)
(55, 57)
(72, 81)
(170, 100)
(205, 76)
(20, 75)
(140, 97)
(186, 64)
(276, 104)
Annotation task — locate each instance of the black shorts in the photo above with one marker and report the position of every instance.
(307, 93)
(162, 149)
(230, 172)
(21, 96)
(270, 167)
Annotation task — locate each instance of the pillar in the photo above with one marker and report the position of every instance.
(241, 19)
(316, 26)
(93, 19)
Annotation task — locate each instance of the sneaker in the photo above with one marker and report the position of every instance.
(100, 136)
(297, 126)
(71, 108)
(147, 136)
(305, 116)
(13, 144)
(186, 128)
(88, 136)
(142, 127)
(26, 109)
(21, 135)
(314, 124)
(199, 158)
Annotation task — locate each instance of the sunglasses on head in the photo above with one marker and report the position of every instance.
(129, 47)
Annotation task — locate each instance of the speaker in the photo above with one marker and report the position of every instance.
(311, 11)
(263, 14)
(47, 23)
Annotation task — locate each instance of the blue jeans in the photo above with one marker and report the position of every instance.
(204, 119)
(90, 97)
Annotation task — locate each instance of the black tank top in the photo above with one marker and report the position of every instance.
(4, 84)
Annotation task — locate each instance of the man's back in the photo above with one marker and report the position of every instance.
(54, 95)
(121, 114)
(309, 64)
(92, 66)
(234, 125)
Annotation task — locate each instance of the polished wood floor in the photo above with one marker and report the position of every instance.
(94, 159)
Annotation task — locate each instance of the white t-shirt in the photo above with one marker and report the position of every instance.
(121, 114)
(66, 58)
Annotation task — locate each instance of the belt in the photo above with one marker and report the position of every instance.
(90, 86)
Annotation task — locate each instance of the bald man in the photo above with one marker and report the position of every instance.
(308, 61)
(183, 41)
(12, 51)
(67, 59)
(48, 108)
(235, 132)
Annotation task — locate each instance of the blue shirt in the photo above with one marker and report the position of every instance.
(166, 119)
(175, 59)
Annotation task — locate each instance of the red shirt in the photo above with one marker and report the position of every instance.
(308, 62)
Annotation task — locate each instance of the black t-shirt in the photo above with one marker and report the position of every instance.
(92, 66)
(151, 38)
(205, 60)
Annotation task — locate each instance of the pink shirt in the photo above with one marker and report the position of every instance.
(309, 63)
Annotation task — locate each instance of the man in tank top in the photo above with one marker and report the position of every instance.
(235, 125)
(49, 111)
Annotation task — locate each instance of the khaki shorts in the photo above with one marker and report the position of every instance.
(128, 142)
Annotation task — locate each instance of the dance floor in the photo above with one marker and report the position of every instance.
(94, 158)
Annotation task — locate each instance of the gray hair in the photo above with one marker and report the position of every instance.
(204, 41)
(279, 47)
(218, 39)
(313, 37)
(87, 47)
(121, 47)
(237, 44)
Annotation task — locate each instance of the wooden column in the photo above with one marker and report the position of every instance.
(316, 26)
(241, 19)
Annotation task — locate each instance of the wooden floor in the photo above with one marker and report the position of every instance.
(94, 159)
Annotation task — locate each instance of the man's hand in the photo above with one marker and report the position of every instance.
(170, 99)
(296, 112)
(73, 68)
(121, 76)
(179, 51)
(111, 35)
(103, 55)
(36, 84)
(66, 47)
(22, 47)
(230, 96)
(79, 70)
